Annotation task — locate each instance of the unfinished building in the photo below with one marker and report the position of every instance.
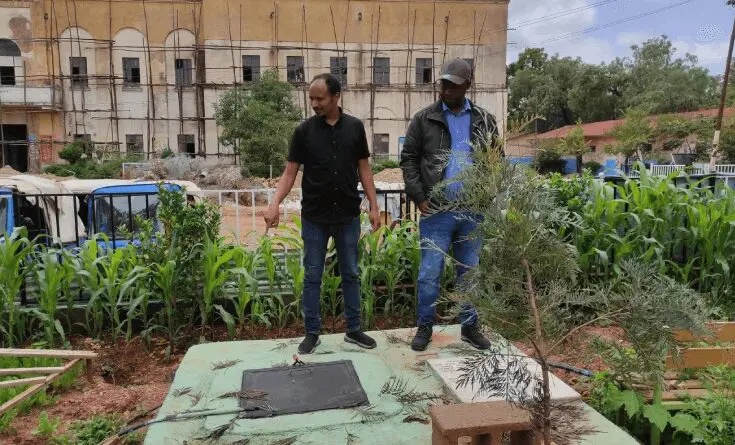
(137, 77)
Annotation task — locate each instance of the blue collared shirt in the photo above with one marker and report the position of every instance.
(461, 152)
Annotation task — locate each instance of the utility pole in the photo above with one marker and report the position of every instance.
(723, 95)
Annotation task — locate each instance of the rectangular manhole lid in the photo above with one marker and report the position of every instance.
(303, 389)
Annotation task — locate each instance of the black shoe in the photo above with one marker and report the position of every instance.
(310, 342)
(360, 339)
(473, 336)
(422, 338)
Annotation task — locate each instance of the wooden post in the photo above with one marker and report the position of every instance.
(10, 404)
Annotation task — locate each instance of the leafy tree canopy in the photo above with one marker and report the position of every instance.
(565, 90)
(258, 121)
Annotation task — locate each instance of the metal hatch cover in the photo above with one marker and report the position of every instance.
(302, 389)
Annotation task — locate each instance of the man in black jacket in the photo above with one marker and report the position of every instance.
(439, 143)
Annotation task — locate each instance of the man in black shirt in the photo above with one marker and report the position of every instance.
(333, 149)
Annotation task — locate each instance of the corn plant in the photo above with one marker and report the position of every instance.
(90, 277)
(329, 295)
(246, 285)
(14, 249)
(50, 274)
(139, 298)
(69, 266)
(215, 258)
(118, 273)
(392, 266)
(280, 311)
(369, 267)
(163, 276)
(267, 260)
(687, 232)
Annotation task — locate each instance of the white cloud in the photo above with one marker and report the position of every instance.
(548, 23)
(626, 39)
(589, 47)
(708, 54)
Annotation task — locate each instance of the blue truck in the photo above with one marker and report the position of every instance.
(70, 211)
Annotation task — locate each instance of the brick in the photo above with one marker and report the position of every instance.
(484, 422)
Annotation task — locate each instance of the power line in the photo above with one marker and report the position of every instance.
(560, 14)
(607, 25)
(537, 20)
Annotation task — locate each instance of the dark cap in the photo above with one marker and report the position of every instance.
(457, 71)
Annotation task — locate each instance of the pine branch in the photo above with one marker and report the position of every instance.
(584, 325)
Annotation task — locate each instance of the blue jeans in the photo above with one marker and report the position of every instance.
(439, 232)
(316, 237)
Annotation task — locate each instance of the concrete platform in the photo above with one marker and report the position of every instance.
(197, 386)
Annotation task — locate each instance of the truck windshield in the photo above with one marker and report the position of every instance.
(125, 208)
(4, 202)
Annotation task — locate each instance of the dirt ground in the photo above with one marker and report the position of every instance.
(129, 380)
(240, 221)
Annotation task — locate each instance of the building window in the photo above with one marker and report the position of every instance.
(86, 140)
(295, 69)
(186, 144)
(183, 72)
(78, 68)
(7, 75)
(134, 143)
(338, 68)
(250, 68)
(424, 71)
(381, 70)
(131, 71)
(381, 145)
(472, 66)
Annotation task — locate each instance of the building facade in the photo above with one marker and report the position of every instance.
(142, 76)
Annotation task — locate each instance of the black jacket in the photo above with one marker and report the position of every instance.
(427, 147)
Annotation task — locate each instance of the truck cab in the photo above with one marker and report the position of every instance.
(113, 206)
(42, 206)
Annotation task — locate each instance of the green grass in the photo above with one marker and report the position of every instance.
(42, 398)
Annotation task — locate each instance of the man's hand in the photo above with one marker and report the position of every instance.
(424, 207)
(374, 216)
(272, 216)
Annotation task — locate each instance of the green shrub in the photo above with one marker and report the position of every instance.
(381, 165)
(46, 427)
(548, 161)
(592, 166)
(72, 153)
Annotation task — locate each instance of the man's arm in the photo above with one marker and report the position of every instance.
(296, 155)
(411, 165)
(273, 214)
(285, 184)
(368, 185)
(366, 177)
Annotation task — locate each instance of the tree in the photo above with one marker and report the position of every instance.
(705, 130)
(564, 90)
(661, 83)
(573, 144)
(674, 131)
(530, 58)
(632, 136)
(258, 121)
(527, 286)
(545, 91)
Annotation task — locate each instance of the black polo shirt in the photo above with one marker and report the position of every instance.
(330, 155)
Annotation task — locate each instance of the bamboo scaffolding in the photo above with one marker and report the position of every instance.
(80, 99)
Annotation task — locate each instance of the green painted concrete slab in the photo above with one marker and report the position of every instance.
(392, 358)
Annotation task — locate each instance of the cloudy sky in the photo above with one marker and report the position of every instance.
(599, 30)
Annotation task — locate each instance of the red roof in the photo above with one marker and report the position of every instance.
(602, 128)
